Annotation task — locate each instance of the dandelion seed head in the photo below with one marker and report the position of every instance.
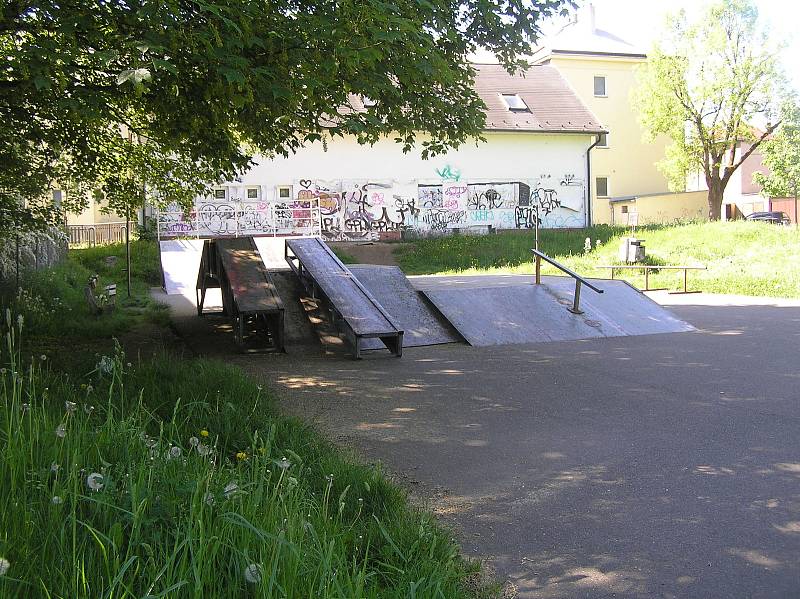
(230, 490)
(43, 357)
(209, 498)
(70, 406)
(203, 450)
(61, 431)
(252, 573)
(5, 565)
(95, 481)
(284, 463)
(56, 500)
(87, 409)
(54, 468)
(25, 407)
(175, 452)
(194, 441)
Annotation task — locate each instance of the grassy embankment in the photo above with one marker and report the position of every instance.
(742, 257)
(177, 478)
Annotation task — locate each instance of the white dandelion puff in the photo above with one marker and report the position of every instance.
(61, 431)
(95, 481)
(70, 406)
(43, 357)
(56, 500)
(175, 452)
(194, 441)
(284, 463)
(203, 450)
(230, 490)
(54, 468)
(4, 566)
(209, 498)
(252, 573)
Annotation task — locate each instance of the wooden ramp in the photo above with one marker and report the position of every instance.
(355, 310)
(249, 295)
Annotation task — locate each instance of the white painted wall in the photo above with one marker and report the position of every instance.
(366, 191)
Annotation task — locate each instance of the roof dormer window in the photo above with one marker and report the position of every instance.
(514, 103)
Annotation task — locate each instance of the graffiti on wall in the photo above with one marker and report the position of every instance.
(368, 209)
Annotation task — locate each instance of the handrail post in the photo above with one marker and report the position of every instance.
(685, 280)
(576, 307)
(646, 278)
(538, 270)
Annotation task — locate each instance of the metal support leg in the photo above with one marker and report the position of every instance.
(685, 280)
(647, 279)
(538, 270)
(576, 302)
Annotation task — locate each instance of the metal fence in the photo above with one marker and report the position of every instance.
(100, 234)
(236, 219)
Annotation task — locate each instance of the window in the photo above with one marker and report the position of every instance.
(284, 193)
(600, 86)
(220, 194)
(624, 209)
(602, 140)
(514, 103)
(601, 187)
(252, 193)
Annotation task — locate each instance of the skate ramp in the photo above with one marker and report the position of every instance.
(508, 309)
(421, 323)
(180, 260)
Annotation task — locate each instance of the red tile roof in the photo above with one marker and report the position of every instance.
(553, 105)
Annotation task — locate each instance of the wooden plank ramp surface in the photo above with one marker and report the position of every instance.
(350, 302)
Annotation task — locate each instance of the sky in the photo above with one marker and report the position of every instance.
(640, 22)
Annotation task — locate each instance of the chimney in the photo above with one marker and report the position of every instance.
(586, 18)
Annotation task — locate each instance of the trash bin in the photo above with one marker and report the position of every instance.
(631, 250)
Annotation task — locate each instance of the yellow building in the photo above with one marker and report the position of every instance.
(601, 68)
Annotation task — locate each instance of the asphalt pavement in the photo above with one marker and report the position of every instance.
(648, 466)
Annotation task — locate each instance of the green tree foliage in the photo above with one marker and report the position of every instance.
(174, 94)
(781, 156)
(707, 86)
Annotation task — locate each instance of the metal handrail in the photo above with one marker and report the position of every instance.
(579, 280)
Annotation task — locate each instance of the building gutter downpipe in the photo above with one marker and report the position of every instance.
(589, 181)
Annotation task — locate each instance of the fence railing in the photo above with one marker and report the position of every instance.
(237, 219)
(99, 234)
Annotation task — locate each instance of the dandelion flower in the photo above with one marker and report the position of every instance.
(61, 431)
(204, 433)
(70, 406)
(56, 500)
(5, 565)
(203, 450)
(230, 490)
(241, 456)
(43, 357)
(129, 365)
(175, 452)
(252, 573)
(54, 468)
(194, 441)
(284, 463)
(95, 481)
(3, 370)
(25, 407)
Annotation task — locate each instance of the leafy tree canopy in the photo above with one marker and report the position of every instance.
(708, 86)
(173, 94)
(781, 156)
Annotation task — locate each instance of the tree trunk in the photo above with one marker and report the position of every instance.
(715, 191)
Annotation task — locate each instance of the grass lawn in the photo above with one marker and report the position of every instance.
(170, 477)
(742, 257)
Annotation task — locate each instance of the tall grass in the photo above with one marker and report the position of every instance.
(177, 478)
(741, 257)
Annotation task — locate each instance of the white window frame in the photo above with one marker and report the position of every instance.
(608, 187)
(224, 190)
(605, 86)
(247, 193)
(280, 188)
(522, 106)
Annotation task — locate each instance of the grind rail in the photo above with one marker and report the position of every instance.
(579, 280)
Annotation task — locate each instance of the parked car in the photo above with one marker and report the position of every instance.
(777, 218)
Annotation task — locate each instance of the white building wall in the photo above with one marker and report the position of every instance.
(367, 192)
